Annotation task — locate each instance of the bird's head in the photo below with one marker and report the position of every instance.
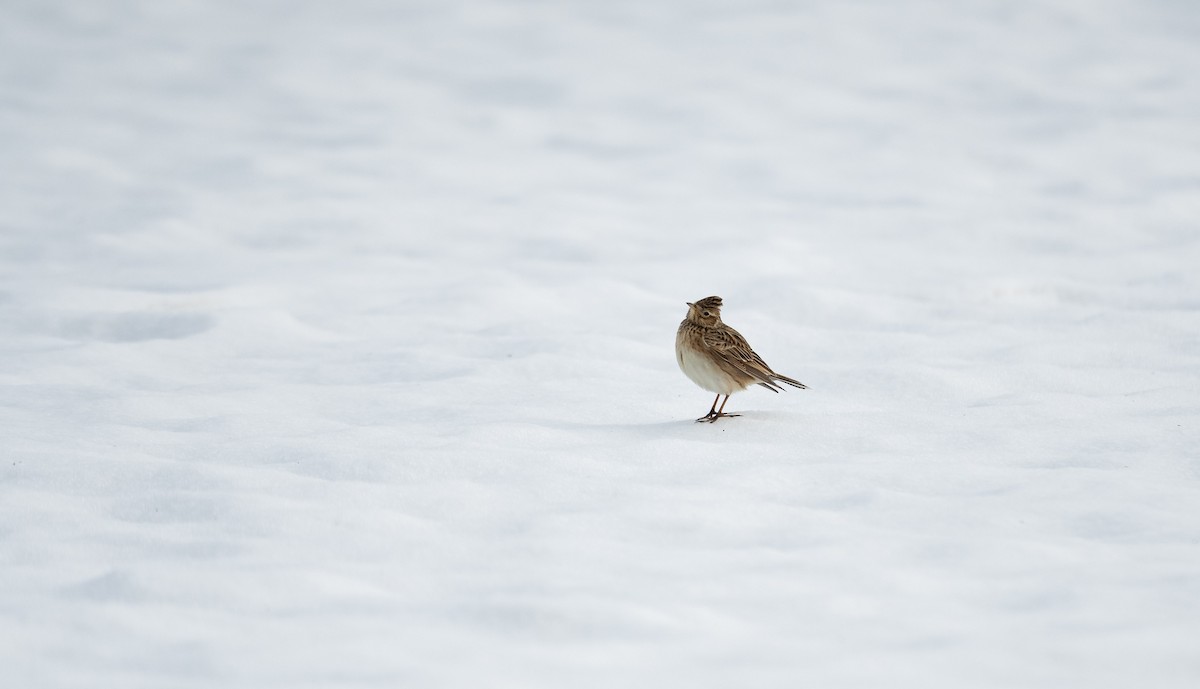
(706, 312)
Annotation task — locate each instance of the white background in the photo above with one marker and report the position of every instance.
(336, 343)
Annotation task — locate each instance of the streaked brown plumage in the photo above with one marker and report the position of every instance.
(717, 358)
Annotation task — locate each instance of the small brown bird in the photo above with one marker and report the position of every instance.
(717, 358)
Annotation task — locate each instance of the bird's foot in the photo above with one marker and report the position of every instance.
(712, 417)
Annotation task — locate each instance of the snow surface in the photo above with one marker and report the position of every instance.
(336, 343)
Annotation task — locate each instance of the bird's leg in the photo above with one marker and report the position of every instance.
(720, 412)
(712, 413)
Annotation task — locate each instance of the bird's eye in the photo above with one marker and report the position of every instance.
(707, 313)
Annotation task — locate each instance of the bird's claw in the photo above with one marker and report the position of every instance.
(712, 418)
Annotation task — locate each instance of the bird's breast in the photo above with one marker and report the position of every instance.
(701, 366)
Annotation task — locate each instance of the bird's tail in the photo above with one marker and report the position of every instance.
(789, 381)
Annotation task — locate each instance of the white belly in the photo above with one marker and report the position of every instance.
(705, 373)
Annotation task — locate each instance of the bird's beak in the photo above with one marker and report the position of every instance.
(690, 303)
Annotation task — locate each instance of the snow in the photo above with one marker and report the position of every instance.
(336, 344)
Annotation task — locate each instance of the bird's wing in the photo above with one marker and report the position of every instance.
(735, 351)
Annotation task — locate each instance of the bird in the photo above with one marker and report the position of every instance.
(717, 358)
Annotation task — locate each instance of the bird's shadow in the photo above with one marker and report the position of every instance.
(679, 427)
